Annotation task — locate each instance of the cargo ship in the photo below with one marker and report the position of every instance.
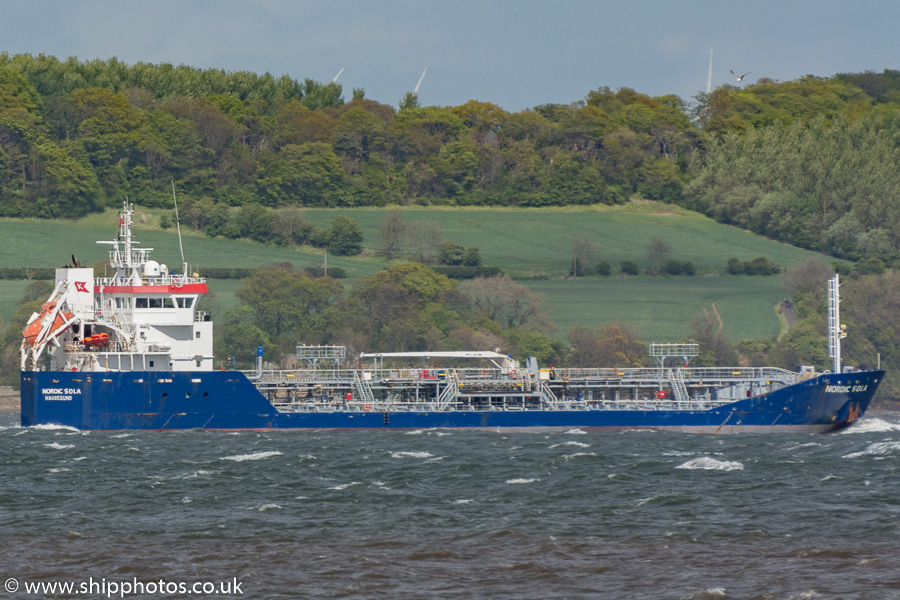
(134, 351)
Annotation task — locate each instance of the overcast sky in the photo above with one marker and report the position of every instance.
(515, 53)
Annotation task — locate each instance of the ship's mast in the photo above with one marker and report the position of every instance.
(836, 331)
(127, 262)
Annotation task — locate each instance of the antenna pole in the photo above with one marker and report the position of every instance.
(835, 330)
(184, 268)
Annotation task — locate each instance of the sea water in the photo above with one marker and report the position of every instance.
(450, 514)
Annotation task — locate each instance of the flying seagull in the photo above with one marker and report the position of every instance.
(739, 77)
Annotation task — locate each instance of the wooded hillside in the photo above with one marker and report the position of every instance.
(812, 162)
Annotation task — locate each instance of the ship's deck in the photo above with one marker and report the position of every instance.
(443, 389)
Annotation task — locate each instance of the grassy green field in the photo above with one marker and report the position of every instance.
(662, 310)
(523, 242)
(541, 241)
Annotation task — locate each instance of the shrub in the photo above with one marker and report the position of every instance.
(629, 267)
(463, 272)
(871, 265)
(604, 269)
(680, 267)
(761, 266)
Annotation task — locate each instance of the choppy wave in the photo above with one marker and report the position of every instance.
(711, 464)
(54, 428)
(404, 454)
(58, 446)
(871, 425)
(576, 444)
(876, 449)
(344, 486)
(253, 456)
(383, 515)
(578, 454)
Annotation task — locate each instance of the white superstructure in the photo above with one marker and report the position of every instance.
(143, 318)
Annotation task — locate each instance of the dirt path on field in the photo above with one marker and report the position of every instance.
(718, 318)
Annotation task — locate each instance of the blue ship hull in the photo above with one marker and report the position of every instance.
(228, 400)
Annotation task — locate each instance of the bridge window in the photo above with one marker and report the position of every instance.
(184, 302)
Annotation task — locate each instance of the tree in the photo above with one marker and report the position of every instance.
(404, 307)
(345, 236)
(290, 228)
(715, 349)
(451, 254)
(240, 338)
(286, 302)
(409, 100)
(628, 267)
(610, 345)
(583, 256)
(307, 174)
(658, 252)
(424, 237)
(510, 304)
(604, 269)
(255, 222)
(809, 277)
(390, 232)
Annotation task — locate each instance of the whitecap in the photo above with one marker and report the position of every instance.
(576, 431)
(521, 480)
(808, 595)
(872, 425)
(464, 501)
(254, 456)
(266, 507)
(577, 454)
(56, 446)
(51, 427)
(711, 464)
(411, 454)
(716, 592)
(58, 470)
(876, 449)
(344, 486)
(793, 447)
(122, 435)
(577, 444)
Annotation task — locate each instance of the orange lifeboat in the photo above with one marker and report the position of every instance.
(34, 328)
(96, 340)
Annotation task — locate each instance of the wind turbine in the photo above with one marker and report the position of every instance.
(416, 90)
(336, 76)
(709, 77)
